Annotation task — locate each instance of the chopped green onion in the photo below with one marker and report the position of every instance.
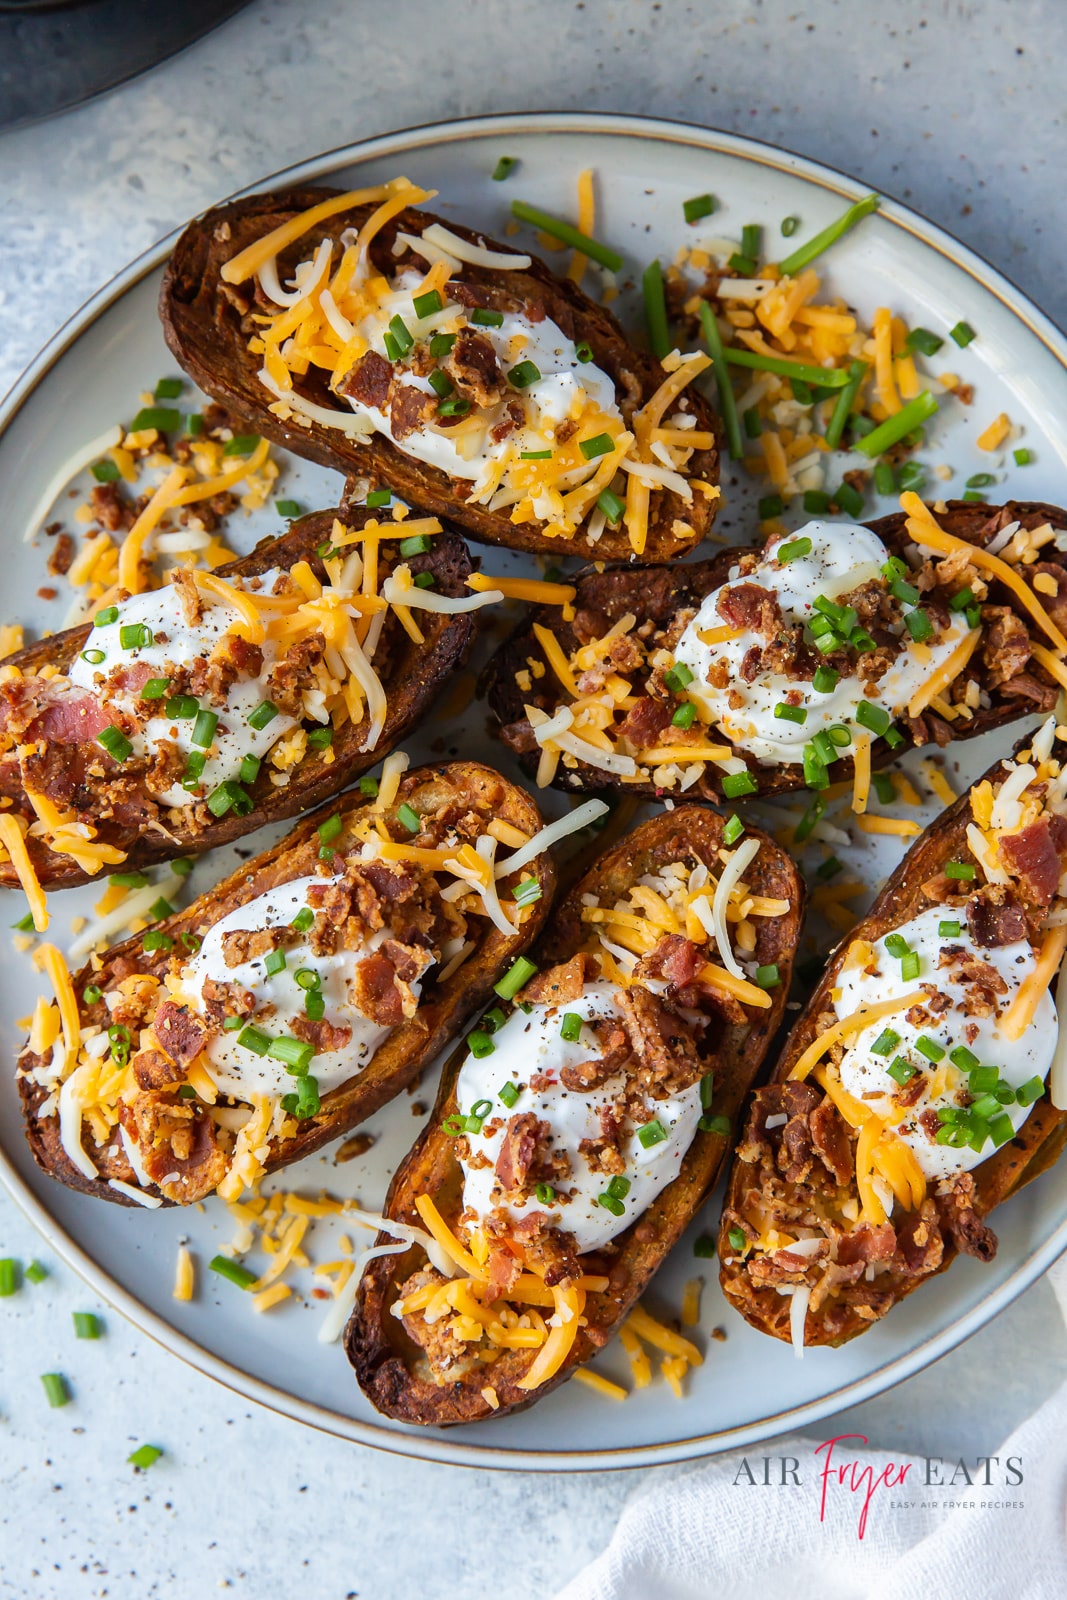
(848, 498)
(458, 406)
(563, 231)
(265, 712)
(509, 1094)
(678, 678)
(611, 505)
(194, 424)
(874, 718)
(918, 625)
(1000, 1129)
(980, 480)
(851, 379)
(825, 679)
(929, 1048)
(786, 713)
(105, 471)
(306, 977)
(233, 1270)
(242, 444)
(417, 545)
(409, 817)
(707, 1091)
(426, 304)
(571, 1026)
(962, 334)
(155, 940)
(618, 1188)
(115, 743)
(754, 427)
(368, 787)
(519, 973)
(771, 506)
(924, 342)
(829, 869)
(795, 548)
(545, 1193)
(890, 432)
(522, 375)
(10, 1276)
(229, 796)
(303, 920)
(897, 945)
(719, 1125)
(659, 337)
(119, 1040)
(744, 266)
(144, 1456)
(441, 344)
(830, 235)
(789, 227)
(494, 1020)
(163, 418)
(305, 1102)
(727, 399)
(960, 870)
(329, 830)
(735, 784)
(86, 1325)
(36, 1273)
(583, 352)
(191, 942)
(441, 383)
(1022, 457)
(885, 1043)
(195, 762)
(816, 502)
(483, 317)
(180, 707)
(601, 445)
(421, 580)
(480, 1044)
(55, 1388)
(901, 1071)
(296, 1054)
(904, 592)
(815, 773)
(536, 455)
(377, 498)
(204, 729)
(652, 1133)
(128, 880)
(701, 205)
(685, 715)
(1031, 1090)
(910, 967)
(768, 977)
(733, 830)
(249, 769)
(986, 1106)
(829, 378)
(885, 479)
(254, 1039)
(884, 787)
(704, 1247)
(94, 657)
(274, 962)
(135, 636)
(287, 508)
(155, 689)
(91, 994)
(504, 168)
(912, 476)
(104, 618)
(315, 1005)
(526, 892)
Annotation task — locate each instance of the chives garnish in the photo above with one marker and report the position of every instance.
(744, 266)
(504, 168)
(1031, 1090)
(824, 377)
(441, 344)
(701, 205)
(905, 592)
(685, 715)
(274, 962)
(961, 870)
(535, 455)
(857, 371)
(195, 762)
(526, 892)
(426, 304)
(754, 427)
(135, 635)
(770, 506)
(509, 1094)
(733, 830)
(563, 231)
(441, 383)
(409, 817)
(306, 978)
(652, 1133)
(155, 689)
(923, 341)
(874, 718)
(107, 616)
(961, 600)
(896, 944)
(303, 920)
(829, 869)
(601, 444)
(678, 678)
(789, 227)
(194, 424)
(885, 1043)
(974, 495)
(479, 1110)
(751, 234)
(421, 580)
(483, 317)
(949, 929)
(191, 942)
(91, 994)
(830, 235)
(163, 418)
(36, 1273)
(910, 966)
(254, 1039)
(583, 352)
(249, 769)
(522, 375)
(305, 1102)
(987, 1105)
(180, 707)
(785, 713)
(296, 1054)
(824, 747)
(265, 712)
(884, 787)
(610, 504)
(727, 399)
(704, 1247)
(707, 1091)
(890, 432)
(55, 1388)
(86, 1325)
(204, 729)
(105, 471)
(241, 1276)
(825, 679)
(115, 743)
(962, 334)
(494, 1020)
(902, 1071)
(229, 796)
(912, 475)
(795, 548)
(545, 1193)
(242, 444)
(144, 1456)
(885, 479)
(155, 940)
(377, 498)
(368, 787)
(816, 501)
(159, 909)
(735, 784)
(328, 830)
(918, 625)
(287, 508)
(405, 339)
(1000, 1129)
(519, 973)
(417, 545)
(454, 406)
(10, 1276)
(719, 1125)
(815, 773)
(571, 1027)
(848, 499)
(94, 657)
(980, 480)
(119, 1039)
(929, 1048)
(768, 976)
(659, 337)
(1022, 457)
(392, 349)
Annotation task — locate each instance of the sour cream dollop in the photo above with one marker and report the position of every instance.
(843, 555)
(181, 643)
(866, 1075)
(280, 998)
(529, 1044)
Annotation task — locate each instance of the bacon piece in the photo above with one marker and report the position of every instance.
(645, 722)
(662, 1043)
(518, 1152)
(963, 1224)
(188, 595)
(674, 958)
(546, 1249)
(615, 1052)
(919, 1240)
(1034, 856)
(50, 710)
(375, 992)
(504, 1268)
(222, 1000)
(1005, 645)
(407, 961)
(322, 1034)
(867, 1243)
(783, 1266)
(368, 381)
(248, 944)
(995, 917)
(409, 409)
(558, 985)
(181, 1034)
(472, 365)
(829, 1135)
(129, 677)
(751, 608)
(154, 1070)
(177, 1142)
(603, 1152)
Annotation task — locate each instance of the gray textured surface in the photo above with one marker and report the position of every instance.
(952, 106)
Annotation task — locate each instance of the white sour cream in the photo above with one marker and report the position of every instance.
(547, 402)
(528, 1044)
(279, 998)
(865, 1076)
(160, 610)
(843, 555)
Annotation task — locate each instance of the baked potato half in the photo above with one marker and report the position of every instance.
(571, 1146)
(288, 1003)
(215, 724)
(923, 1083)
(505, 399)
(697, 660)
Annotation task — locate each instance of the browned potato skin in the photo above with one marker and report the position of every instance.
(443, 1009)
(1035, 1147)
(202, 325)
(385, 1360)
(417, 674)
(660, 593)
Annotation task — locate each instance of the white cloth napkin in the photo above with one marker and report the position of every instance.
(692, 1534)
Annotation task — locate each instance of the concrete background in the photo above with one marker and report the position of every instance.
(954, 107)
